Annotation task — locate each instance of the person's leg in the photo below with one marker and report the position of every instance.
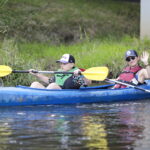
(53, 86)
(37, 85)
(142, 75)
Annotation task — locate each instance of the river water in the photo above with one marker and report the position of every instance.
(115, 126)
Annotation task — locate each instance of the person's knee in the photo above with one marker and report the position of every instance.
(53, 86)
(36, 85)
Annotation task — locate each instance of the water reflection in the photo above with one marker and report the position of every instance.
(95, 130)
(5, 131)
(126, 128)
(99, 126)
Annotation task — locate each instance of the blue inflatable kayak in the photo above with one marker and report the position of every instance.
(25, 96)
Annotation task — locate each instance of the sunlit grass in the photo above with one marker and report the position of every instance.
(108, 52)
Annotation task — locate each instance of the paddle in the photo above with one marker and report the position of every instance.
(127, 84)
(94, 73)
(103, 71)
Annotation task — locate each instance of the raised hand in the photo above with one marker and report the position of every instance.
(144, 57)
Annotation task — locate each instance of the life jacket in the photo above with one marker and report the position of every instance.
(127, 75)
(61, 78)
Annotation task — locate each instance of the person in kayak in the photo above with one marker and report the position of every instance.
(62, 81)
(133, 73)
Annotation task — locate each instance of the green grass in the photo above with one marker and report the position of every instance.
(108, 52)
(68, 21)
(34, 34)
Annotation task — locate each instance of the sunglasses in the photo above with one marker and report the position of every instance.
(130, 58)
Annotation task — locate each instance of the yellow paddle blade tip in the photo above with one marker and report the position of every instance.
(96, 73)
(5, 70)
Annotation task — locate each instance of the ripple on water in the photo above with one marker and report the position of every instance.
(96, 126)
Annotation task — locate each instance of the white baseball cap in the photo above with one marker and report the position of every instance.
(66, 58)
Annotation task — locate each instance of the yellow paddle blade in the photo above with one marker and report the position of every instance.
(5, 70)
(96, 73)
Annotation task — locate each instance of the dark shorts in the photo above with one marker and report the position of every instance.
(71, 84)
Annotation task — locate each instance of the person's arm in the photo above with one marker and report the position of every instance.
(40, 76)
(78, 72)
(87, 81)
(144, 58)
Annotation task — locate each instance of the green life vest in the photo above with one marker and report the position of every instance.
(61, 78)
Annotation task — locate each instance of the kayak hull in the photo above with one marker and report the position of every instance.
(25, 96)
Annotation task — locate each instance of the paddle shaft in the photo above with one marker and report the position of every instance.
(94, 73)
(44, 72)
(126, 84)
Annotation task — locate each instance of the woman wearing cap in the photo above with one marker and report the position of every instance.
(62, 81)
(133, 73)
